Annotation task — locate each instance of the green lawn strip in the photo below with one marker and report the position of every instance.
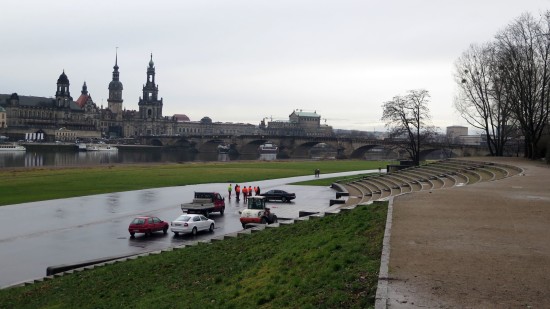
(27, 185)
(331, 262)
(329, 181)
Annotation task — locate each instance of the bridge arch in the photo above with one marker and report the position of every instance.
(156, 142)
(436, 154)
(211, 145)
(314, 149)
(251, 146)
(359, 153)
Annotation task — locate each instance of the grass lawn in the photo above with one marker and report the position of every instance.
(328, 181)
(331, 262)
(36, 184)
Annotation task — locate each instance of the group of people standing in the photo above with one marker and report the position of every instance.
(246, 191)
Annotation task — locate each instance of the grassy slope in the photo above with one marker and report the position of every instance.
(331, 262)
(27, 185)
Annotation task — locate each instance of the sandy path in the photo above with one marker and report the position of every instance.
(485, 245)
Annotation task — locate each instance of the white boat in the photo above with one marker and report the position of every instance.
(268, 147)
(100, 147)
(12, 147)
(81, 146)
(222, 148)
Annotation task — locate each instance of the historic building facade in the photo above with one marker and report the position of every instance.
(299, 123)
(56, 117)
(3, 123)
(82, 117)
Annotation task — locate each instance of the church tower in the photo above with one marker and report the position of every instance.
(62, 95)
(150, 107)
(115, 91)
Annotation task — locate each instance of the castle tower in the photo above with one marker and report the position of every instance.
(84, 96)
(62, 95)
(150, 107)
(115, 90)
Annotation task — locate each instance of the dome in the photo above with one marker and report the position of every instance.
(206, 120)
(2, 110)
(63, 78)
(115, 85)
(181, 117)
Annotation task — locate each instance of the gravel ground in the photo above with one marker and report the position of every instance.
(485, 245)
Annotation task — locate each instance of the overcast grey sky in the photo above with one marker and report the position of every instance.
(243, 60)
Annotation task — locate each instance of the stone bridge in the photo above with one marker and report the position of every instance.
(302, 146)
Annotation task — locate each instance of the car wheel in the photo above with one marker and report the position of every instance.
(194, 231)
(283, 199)
(132, 234)
(149, 232)
(244, 225)
(221, 211)
(176, 233)
(211, 228)
(165, 230)
(274, 219)
(264, 221)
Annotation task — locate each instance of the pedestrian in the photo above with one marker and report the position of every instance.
(229, 189)
(249, 190)
(258, 192)
(317, 172)
(238, 192)
(245, 193)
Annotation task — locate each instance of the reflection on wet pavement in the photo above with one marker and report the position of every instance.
(73, 230)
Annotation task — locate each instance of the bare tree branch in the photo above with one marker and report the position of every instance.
(405, 117)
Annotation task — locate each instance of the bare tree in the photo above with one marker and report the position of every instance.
(405, 116)
(483, 99)
(524, 50)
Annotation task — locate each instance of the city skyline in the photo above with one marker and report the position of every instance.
(246, 60)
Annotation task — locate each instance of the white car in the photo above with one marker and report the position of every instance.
(191, 224)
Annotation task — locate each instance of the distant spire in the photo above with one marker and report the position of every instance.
(116, 59)
(151, 63)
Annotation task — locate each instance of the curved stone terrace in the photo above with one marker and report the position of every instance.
(479, 241)
(433, 176)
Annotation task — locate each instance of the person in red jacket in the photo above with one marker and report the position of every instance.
(237, 192)
(245, 193)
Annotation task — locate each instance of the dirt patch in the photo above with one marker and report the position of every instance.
(477, 246)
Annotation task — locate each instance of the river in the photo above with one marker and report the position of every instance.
(51, 158)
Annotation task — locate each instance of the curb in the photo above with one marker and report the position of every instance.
(382, 289)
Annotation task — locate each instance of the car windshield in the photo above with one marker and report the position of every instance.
(183, 218)
(138, 221)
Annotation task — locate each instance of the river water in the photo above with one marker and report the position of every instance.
(55, 158)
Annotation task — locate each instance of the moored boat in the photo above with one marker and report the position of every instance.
(81, 146)
(268, 147)
(12, 147)
(222, 148)
(100, 147)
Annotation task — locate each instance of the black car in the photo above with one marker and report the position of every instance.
(278, 195)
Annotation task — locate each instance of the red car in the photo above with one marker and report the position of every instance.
(147, 225)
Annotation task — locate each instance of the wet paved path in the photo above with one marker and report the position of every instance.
(36, 235)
